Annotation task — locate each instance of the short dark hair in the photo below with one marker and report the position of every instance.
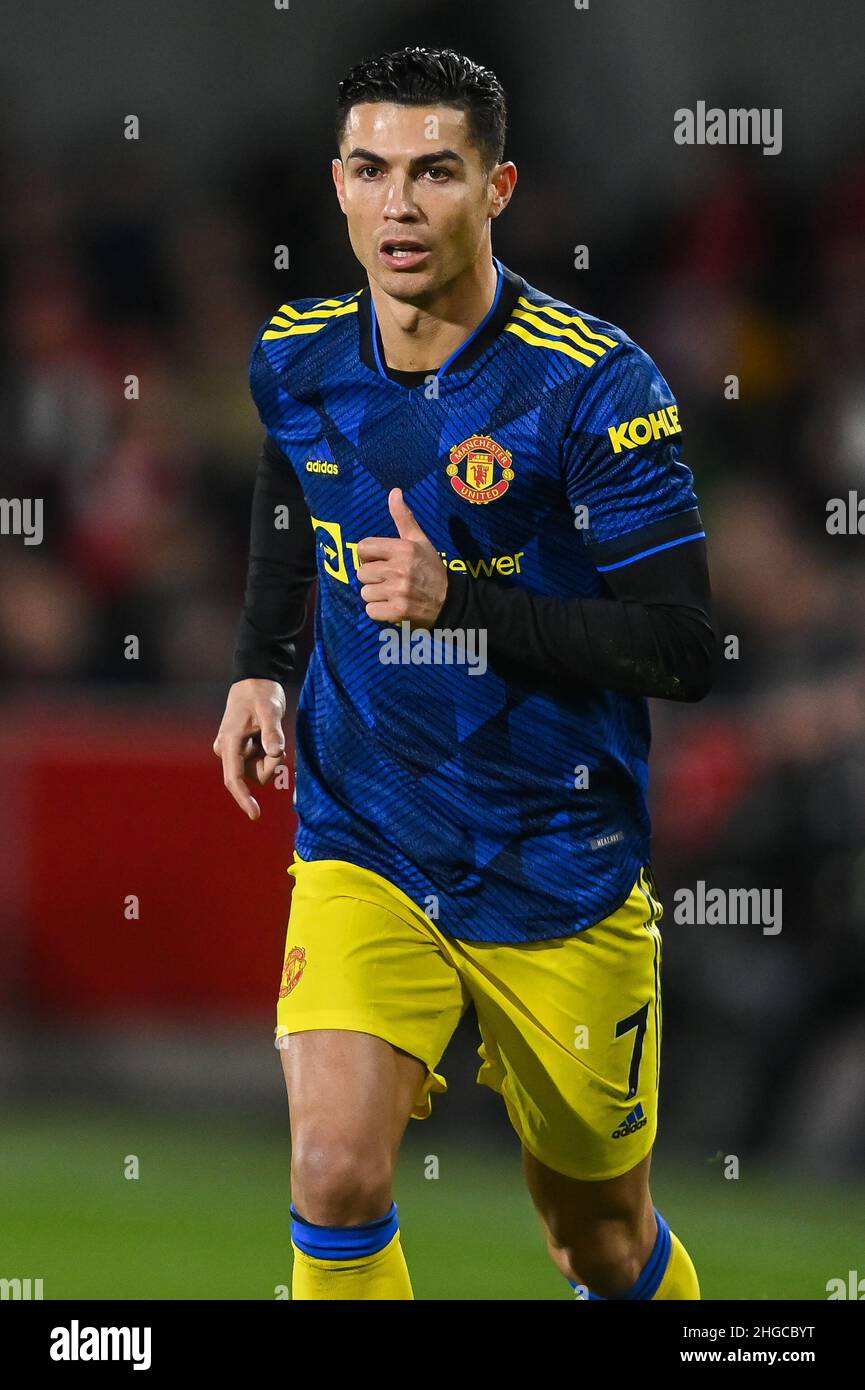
(431, 77)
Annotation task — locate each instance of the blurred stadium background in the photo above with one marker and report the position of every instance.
(152, 1036)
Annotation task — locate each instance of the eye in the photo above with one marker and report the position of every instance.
(367, 169)
(438, 169)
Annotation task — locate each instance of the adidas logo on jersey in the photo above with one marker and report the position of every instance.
(634, 1120)
(321, 466)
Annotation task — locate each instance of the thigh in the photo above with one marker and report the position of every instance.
(349, 1088)
(367, 1003)
(571, 1039)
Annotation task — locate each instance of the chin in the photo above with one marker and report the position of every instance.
(407, 285)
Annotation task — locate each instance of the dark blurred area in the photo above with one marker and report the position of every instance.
(153, 259)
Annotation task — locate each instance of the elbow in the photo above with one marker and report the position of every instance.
(695, 671)
(685, 688)
(702, 669)
(696, 688)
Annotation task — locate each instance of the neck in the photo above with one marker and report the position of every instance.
(420, 338)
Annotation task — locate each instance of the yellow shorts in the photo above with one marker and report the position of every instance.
(570, 1028)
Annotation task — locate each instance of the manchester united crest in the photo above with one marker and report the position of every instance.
(480, 469)
(295, 964)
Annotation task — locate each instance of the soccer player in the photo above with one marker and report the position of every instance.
(486, 483)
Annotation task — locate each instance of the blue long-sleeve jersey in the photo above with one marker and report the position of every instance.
(544, 453)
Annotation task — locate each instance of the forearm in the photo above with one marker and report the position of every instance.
(665, 649)
(280, 573)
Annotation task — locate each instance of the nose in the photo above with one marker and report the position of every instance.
(399, 204)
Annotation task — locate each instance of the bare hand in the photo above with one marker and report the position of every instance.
(250, 741)
(402, 578)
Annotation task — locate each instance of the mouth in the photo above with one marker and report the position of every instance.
(402, 253)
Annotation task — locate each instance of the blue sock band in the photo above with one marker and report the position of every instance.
(343, 1242)
(650, 1280)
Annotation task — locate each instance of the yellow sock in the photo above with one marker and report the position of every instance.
(383, 1275)
(349, 1262)
(680, 1279)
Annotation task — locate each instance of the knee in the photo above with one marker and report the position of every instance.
(607, 1255)
(337, 1182)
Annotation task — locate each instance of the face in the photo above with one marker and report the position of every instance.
(416, 196)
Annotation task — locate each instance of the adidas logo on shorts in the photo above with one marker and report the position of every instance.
(634, 1120)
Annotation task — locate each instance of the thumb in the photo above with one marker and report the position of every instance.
(273, 742)
(272, 738)
(403, 516)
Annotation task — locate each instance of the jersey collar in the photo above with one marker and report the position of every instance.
(509, 287)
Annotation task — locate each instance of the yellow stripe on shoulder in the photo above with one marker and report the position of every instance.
(584, 344)
(549, 344)
(288, 322)
(571, 333)
(559, 317)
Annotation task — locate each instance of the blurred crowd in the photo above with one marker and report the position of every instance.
(763, 785)
(125, 330)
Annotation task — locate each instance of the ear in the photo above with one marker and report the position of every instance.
(503, 179)
(339, 181)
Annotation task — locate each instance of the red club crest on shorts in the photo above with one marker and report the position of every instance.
(295, 964)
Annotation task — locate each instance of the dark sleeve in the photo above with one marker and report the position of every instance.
(280, 573)
(653, 635)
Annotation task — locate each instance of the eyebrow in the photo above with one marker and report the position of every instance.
(436, 157)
